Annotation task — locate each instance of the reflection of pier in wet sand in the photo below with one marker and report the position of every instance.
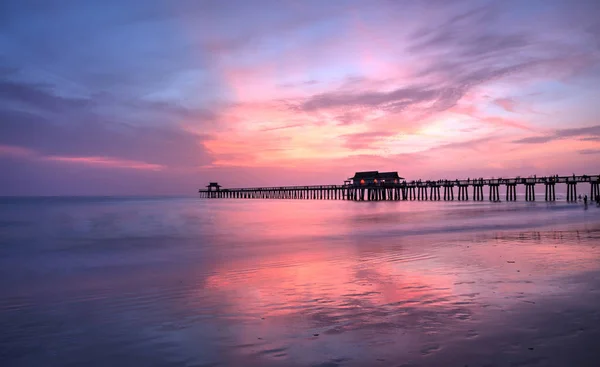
(375, 186)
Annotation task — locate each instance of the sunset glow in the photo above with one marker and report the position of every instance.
(276, 92)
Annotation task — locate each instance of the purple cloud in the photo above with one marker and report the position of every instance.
(35, 95)
(590, 133)
(60, 126)
(365, 139)
(397, 98)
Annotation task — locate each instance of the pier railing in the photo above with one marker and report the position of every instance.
(417, 189)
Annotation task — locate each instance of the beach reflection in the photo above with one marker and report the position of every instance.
(302, 283)
(359, 294)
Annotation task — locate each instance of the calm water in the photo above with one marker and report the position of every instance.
(188, 282)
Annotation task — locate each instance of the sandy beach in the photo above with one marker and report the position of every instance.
(182, 282)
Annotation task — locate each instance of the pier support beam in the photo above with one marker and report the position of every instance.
(550, 191)
(594, 190)
(448, 192)
(413, 193)
(494, 192)
(434, 193)
(420, 193)
(463, 192)
(511, 192)
(529, 192)
(478, 192)
(572, 191)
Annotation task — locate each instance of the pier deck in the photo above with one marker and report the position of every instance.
(415, 190)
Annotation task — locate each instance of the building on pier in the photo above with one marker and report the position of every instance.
(389, 177)
(214, 185)
(370, 178)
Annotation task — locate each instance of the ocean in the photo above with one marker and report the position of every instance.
(162, 281)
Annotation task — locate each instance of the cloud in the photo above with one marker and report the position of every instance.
(507, 104)
(458, 36)
(29, 154)
(506, 122)
(580, 131)
(394, 100)
(364, 140)
(590, 133)
(348, 118)
(160, 145)
(14, 151)
(62, 127)
(300, 84)
(589, 151)
(469, 144)
(421, 98)
(453, 45)
(438, 99)
(535, 140)
(282, 127)
(35, 95)
(106, 162)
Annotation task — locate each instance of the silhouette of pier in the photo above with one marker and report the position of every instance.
(369, 186)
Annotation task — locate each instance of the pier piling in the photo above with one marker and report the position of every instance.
(571, 191)
(595, 189)
(529, 191)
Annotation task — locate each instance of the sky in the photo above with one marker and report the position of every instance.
(146, 97)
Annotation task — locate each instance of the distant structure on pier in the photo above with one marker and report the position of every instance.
(214, 185)
(374, 178)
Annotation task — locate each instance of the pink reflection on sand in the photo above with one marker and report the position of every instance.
(349, 294)
(279, 278)
(280, 284)
(291, 276)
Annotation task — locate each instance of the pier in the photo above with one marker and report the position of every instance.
(388, 186)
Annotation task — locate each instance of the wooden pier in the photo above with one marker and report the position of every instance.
(397, 189)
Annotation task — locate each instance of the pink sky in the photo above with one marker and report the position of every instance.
(164, 100)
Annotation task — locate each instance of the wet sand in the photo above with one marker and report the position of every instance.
(182, 282)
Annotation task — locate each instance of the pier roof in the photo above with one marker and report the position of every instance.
(365, 175)
(389, 176)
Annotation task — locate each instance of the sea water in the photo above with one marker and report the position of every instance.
(105, 281)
